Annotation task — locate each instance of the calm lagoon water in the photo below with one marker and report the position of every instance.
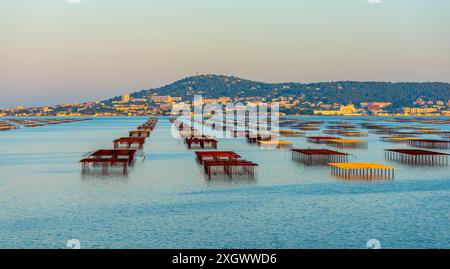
(166, 202)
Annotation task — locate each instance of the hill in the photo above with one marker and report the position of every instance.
(214, 86)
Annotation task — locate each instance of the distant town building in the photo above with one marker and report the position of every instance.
(378, 104)
(413, 111)
(382, 104)
(125, 98)
(419, 101)
(349, 109)
(373, 107)
(224, 99)
(343, 110)
(139, 100)
(161, 99)
(211, 101)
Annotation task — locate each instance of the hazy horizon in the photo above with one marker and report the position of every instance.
(268, 82)
(59, 52)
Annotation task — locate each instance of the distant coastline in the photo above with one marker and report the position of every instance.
(325, 98)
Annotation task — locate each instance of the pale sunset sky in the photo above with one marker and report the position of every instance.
(55, 51)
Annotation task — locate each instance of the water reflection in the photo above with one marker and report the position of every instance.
(162, 200)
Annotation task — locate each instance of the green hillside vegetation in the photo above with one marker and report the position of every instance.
(215, 86)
